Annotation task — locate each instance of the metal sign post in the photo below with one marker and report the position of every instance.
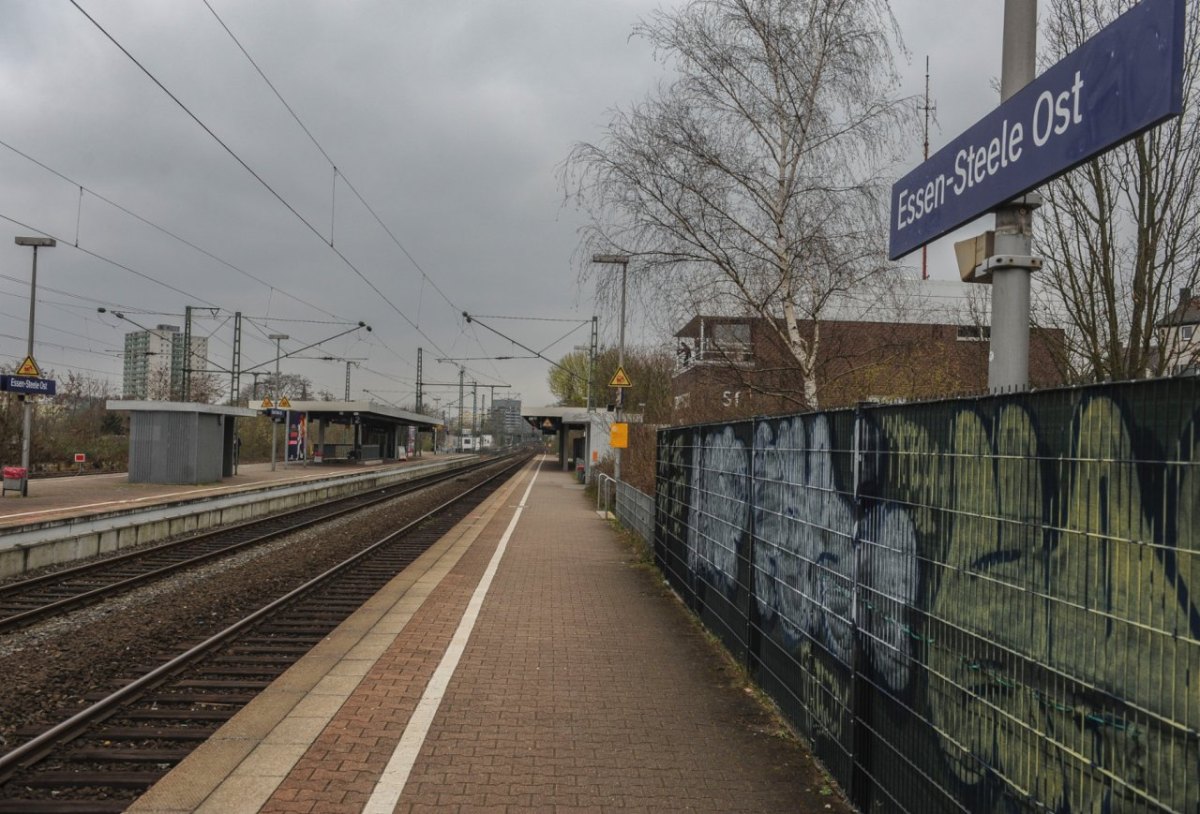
(1123, 81)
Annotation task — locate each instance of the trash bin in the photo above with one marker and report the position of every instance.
(15, 478)
(580, 473)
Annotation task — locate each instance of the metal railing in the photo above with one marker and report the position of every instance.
(635, 511)
(605, 493)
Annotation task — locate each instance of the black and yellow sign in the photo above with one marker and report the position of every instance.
(618, 435)
(284, 404)
(620, 379)
(28, 368)
(266, 404)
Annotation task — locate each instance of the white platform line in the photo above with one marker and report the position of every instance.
(395, 775)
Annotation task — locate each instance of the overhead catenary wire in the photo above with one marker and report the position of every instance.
(262, 181)
(336, 172)
(156, 226)
(90, 253)
(567, 370)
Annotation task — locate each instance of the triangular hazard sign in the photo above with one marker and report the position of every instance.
(28, 368)
(620, 379)
(266, 405)
(284, 404)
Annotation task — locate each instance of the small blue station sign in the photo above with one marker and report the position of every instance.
(1124, 80)
(29, 385)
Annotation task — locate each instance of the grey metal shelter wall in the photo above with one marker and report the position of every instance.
(210, 447)
(171, 447)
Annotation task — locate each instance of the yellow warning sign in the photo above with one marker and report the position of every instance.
(620, 379)
(29, 368)
(284, 404)
(618, 435)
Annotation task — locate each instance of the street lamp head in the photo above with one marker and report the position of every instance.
(616, 259)
(45, 242)
(278, 336)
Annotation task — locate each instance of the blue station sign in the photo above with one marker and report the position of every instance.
(30, 385)
(1124, 80)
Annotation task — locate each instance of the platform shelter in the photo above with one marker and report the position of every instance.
(180, 442)
(379, 432)
(574, 442)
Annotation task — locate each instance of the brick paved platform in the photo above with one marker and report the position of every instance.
(524, 663)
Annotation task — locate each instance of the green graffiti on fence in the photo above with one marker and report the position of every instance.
(1026, 593)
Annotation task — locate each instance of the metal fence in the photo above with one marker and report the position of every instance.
(985, 605)
(635, 510)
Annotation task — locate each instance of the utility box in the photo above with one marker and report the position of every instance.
(973, 253)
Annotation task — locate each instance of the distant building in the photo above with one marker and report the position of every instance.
(506, 417)
(1178, 341)
(739, 366)
(155, 361)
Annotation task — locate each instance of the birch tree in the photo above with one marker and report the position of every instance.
(754, 182)
(1120, 234)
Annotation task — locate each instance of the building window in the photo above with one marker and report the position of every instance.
(974, 333)
(731, 335)
(730, 342)
(1186, 332)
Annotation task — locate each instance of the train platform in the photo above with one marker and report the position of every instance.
(73, 517)
(71, 496)
(526, 662)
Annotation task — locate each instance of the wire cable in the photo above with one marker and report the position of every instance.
(111, 262)
(337, 173)
(253, 174)
(156, 226)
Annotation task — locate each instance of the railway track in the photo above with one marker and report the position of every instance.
(103, 757)
(27, 601)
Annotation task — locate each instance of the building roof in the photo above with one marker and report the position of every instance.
(1187, 312)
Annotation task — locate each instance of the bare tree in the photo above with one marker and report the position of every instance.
(753, 183)
(1121, 233)
(291, 385)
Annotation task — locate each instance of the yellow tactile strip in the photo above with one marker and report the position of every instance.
(243, 764)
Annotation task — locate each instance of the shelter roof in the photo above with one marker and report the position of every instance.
(147, 406)
(557, 416)
(365, 409)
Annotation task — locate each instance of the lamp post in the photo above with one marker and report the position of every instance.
(27, 435)
(275, 424)
(621, 260)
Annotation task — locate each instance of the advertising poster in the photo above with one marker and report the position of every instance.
(297, 436)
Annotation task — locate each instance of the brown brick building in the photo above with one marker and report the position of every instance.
(738, 366)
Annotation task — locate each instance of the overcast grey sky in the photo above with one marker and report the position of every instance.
(448, 117)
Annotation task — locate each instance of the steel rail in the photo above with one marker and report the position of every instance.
(79, 600)
(43, 745)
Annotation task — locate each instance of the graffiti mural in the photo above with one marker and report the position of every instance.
(1012, 584)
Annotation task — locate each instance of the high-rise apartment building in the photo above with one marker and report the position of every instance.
(155, 361)
(506, 416)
